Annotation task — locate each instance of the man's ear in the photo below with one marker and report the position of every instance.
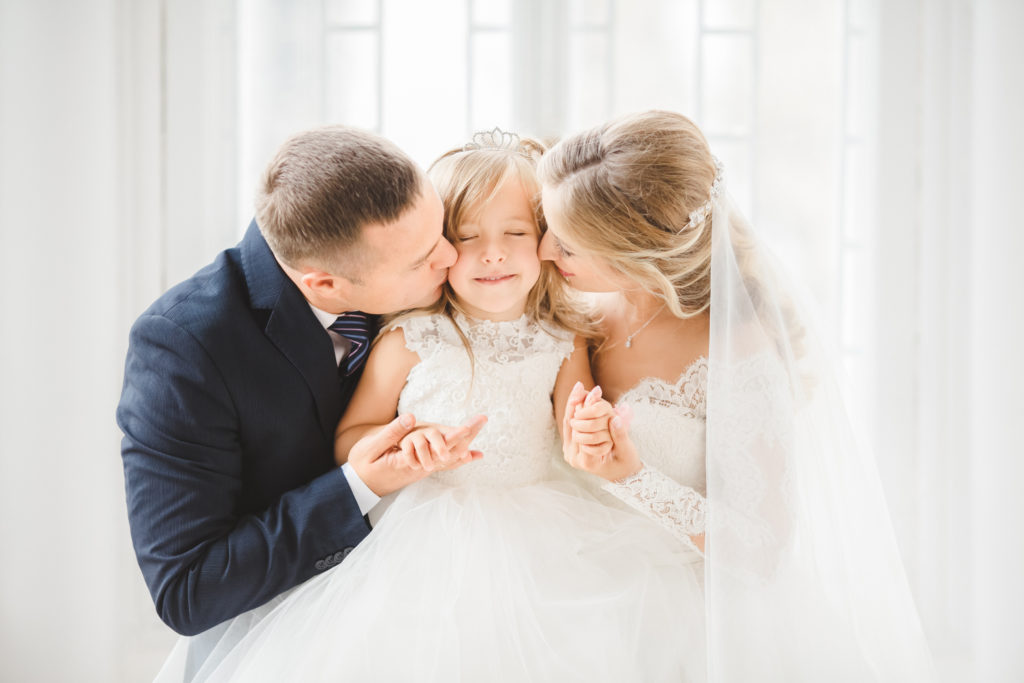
(325, 285)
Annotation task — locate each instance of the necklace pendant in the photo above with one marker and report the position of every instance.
(629, 342)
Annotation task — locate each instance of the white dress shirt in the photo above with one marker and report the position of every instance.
(365, 498)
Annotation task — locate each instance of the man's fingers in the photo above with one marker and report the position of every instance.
(388, 437)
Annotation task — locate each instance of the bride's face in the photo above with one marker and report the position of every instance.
(583, 271)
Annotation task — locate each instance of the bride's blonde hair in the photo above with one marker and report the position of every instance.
(628, 188)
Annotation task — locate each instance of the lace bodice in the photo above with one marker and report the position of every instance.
(510, 380)
(668, 430)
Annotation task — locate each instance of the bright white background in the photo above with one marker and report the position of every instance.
(877, 146)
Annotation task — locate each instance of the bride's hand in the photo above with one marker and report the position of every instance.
(596, 436)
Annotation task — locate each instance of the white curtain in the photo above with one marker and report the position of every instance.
(103, 144)
(949, 316)
(62, 532)
(996, 325)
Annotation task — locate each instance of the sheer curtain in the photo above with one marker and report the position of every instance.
(949, 313)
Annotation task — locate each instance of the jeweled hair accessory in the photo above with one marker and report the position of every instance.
(496, 138)
(701, 213)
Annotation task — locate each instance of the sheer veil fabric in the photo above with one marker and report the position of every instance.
(803, 576)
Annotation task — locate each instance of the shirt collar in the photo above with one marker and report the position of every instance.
(326, 319)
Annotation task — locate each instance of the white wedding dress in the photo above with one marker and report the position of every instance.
(505, 569)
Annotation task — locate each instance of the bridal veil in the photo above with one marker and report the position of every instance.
(803, 576)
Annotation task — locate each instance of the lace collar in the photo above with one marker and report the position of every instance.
(505, 341)
(688, 392)
(490, 328)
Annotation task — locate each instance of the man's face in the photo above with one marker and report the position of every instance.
(404, 263)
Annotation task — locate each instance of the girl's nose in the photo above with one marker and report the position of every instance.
(494, 252)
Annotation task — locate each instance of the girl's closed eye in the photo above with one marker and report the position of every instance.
(561, 249)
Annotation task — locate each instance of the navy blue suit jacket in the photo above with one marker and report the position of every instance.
(231, 397)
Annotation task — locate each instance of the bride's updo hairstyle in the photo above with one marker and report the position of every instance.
(627, 189)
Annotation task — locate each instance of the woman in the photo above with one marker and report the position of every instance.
(803, 578)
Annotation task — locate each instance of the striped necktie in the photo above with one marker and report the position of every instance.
(354, 326)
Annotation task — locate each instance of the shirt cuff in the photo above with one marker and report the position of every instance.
(365, 498)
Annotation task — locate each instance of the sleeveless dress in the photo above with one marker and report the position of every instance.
(505, 569)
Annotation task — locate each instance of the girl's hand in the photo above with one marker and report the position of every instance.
(596, 436)
(436, 447)
(424, 448)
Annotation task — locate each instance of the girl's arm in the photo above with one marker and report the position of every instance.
(375, 401)
(575, 369)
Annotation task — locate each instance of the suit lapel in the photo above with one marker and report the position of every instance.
(292, 327)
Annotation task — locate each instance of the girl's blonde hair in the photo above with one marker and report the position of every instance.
(627, 188)
(466, 179)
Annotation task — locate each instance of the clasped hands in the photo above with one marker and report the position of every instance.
(402, 452)
(595, 435)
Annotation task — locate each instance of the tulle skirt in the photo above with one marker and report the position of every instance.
(537, 583)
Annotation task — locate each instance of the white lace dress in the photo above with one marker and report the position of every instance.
(668, 430)
(501, 570)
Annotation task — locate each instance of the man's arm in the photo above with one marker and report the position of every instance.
(183, 460)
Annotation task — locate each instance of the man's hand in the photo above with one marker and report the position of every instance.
(381, 463)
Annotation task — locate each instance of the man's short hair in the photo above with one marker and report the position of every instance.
(323, 186)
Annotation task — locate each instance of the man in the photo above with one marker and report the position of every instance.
(236, 378)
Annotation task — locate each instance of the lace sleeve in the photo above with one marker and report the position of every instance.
(678, 508)
(425, 335)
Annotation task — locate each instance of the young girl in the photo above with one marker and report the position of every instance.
(499, 569)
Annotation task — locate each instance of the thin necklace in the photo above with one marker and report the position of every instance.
(629, 339)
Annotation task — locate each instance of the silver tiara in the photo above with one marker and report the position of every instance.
(701, 213)
(496, 138)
